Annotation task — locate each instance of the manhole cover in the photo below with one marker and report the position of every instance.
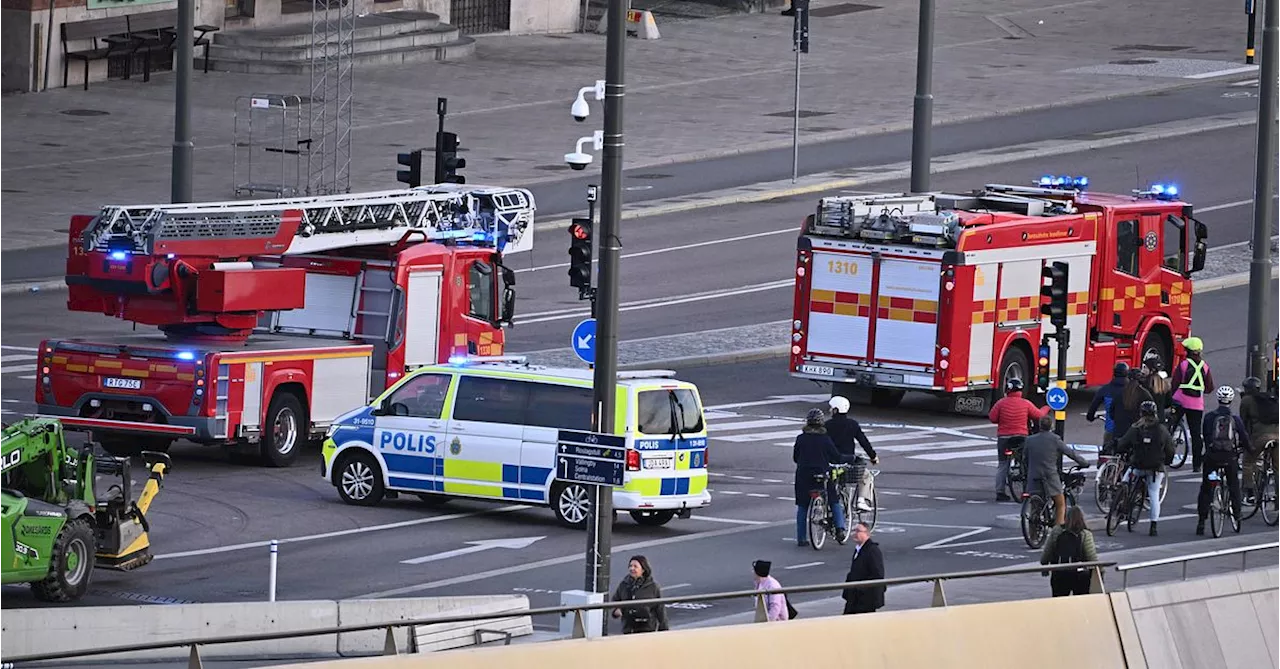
(53, 144)
(841, 9)
(85, 112)
(649, 176)
(1135, 61)
(804, 113)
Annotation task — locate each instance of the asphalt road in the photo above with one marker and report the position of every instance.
(213, 519)
(1081, 120)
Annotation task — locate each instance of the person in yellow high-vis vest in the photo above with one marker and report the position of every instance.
(1190, 379)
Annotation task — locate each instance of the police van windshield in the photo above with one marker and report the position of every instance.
(670, 411)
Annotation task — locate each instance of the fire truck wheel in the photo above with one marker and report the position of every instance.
(284, 431)
(886, 397)
(1014, 365)
(359, 479)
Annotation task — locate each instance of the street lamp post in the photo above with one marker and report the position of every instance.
(922, 113)
(1264, 210)
(180, 186)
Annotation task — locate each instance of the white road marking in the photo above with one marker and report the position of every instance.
(934, 446)
(13, 369)
(660, 302)
(805, 565)
(946, 499)
(918, 496)
(1223, 73)
(887, 492)
(951, 456)
(12, 401)
(36, 350)
(756, 494)
(16, 358)
(669, 588)
(682, 247)
(728, 492)
(946, 542)
(762, 436)
(780, 399)
(975, 501)
(773, 481)
(787, 499)
(742, 478)
(751, 424)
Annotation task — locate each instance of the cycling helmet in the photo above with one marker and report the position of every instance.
(1147, 408)
(1252, 384)
(1121, 369)
(1013, 385)
(1226, 394)
(1193, 344)
(1153, 362)
(814, 417)
(839, 404)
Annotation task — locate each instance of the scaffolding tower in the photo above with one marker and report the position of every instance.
(329, 158)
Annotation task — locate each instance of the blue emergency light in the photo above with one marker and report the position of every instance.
(186, 355)
(119, 255)
(1052, 181)
(1161, 191)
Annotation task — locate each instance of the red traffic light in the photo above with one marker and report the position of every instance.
(579, 231)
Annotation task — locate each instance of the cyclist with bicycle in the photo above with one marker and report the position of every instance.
(814, 453)
(1259, 411)
(848, 435)
(1044, 451)
(1225, 436)
(1157, 382)
(1149, 447)
(1190, 379)
(1108, 399)
(1012, 415)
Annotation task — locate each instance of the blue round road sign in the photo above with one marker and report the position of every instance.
(1056, 398)
(583, 341)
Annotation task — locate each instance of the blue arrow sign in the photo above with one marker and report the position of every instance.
(583, 341)
(1056, 398)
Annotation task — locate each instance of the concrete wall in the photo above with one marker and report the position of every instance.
(1220, 621)
(544, 16)
(28, 631)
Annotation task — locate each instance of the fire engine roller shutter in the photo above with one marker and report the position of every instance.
(840, 304)
(982, 330)
(327, 309)
(907, 311)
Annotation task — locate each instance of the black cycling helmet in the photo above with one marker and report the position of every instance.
(1252, 384)
(1013, 385)
(1121, 369)
(1147, 408)
(814, 417)
(1153, 362)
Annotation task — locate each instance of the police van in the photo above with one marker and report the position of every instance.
(486, 428)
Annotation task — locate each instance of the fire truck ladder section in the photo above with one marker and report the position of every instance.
(478, 215)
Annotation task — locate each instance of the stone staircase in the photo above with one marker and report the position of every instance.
(384, 38)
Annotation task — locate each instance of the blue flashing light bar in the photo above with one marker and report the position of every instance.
(186, 355)
(1052, 181)
(119, 255)
(1163, 191)
(457, 360)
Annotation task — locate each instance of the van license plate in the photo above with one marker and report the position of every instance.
(114, 382)
(822, 370)
(659, 463)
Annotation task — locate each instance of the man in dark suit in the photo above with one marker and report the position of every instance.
(867, 565)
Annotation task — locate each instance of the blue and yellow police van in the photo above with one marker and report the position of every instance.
(487, 428)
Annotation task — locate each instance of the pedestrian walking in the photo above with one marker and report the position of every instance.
(639, 585)
(1069, 543)
(775, 604)
(867, 565)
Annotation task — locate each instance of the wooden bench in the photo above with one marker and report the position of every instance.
(158, 31)
(110, 38)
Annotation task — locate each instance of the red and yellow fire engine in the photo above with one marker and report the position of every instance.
(940, 293)
(277, 316)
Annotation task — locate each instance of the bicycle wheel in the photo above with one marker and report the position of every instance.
(1216, 514)
(1268, 500)
(869, 517)
(1259, 480)
(1116, 512)
(1105, 487)
(1181, 444)
(1137, 502)
(818, 522)
(1032, 521)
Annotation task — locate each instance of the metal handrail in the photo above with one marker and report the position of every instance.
(937, 579)
(1242, 551)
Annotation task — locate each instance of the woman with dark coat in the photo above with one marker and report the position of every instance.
(639, 585)
(814, 453)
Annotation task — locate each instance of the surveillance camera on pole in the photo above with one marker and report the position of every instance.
(580, 109)
(579, 160)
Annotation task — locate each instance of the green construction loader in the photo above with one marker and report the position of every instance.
(58, 521)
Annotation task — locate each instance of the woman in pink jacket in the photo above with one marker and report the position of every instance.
(775, 605)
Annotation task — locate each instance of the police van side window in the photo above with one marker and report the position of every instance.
(420, 397)
(1128, 241)
(491, 400)
(560, 407)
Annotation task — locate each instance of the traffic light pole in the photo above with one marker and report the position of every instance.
(1063, 335)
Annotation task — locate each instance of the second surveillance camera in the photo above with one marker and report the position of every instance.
(580, 109)
(578, 160)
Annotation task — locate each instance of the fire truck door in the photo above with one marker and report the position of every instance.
(1121, 278)
(422, 319)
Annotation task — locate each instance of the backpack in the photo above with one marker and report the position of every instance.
(791, 610)
(1224, 433)
(1268, 413)
(1148, 453)
(1069, 548)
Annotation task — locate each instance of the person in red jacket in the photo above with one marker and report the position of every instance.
(1012, 415)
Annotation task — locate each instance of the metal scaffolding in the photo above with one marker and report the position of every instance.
(332, 35)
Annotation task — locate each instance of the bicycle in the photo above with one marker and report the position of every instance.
(1180, 433)
(853, 514)
(821, 518)
(1037, 513)
(1265, 498)
(1017, 467)
(1107, 481)
(1220, 502)
(1129, 501)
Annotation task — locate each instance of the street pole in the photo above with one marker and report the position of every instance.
(922, 114)
(1250, 8)
(799, 44)
(1063, 335)
(600, 526)
(1264, 211)
(180, 188)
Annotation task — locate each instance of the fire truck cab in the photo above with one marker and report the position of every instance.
(274, 317)
(940, 293)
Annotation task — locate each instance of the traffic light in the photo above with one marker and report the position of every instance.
(1042, 367)
(413, 161)
(1056, 291)
(447, 161)
(580, 240)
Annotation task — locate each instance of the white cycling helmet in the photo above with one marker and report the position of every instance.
(1226, 394)
(839, 404)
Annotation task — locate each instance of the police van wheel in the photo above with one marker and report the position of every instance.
(360, 480)
(571, 503)
(652, 518)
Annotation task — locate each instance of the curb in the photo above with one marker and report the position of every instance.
(50, 284)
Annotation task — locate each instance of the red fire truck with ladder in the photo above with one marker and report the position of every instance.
(941, 293)
(276, 316)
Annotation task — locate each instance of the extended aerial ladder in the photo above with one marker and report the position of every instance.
(187, 268)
